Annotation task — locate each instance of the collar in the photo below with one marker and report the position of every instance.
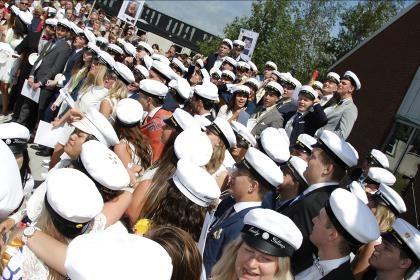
(316, 186)
(154, 111)
(327, 97)
(330, 265)
(346, 100)
(270, 108)
(78, 50)
(239, 206)
(206, 114)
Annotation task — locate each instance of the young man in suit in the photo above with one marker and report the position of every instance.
(267, 115)
(344, 224)
(253, 178)
(342, 116)
(216, 59)
(327, 165)
(309, 115)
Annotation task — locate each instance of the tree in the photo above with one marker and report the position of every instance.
(294, 34)
(360, 21)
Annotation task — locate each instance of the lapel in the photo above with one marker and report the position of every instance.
(265, 116)
(57, 45)
(235, 217)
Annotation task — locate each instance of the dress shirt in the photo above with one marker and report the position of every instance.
(320, 268)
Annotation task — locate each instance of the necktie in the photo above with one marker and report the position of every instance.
(297, 118)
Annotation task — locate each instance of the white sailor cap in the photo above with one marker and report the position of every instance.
(145, 46)
(115, 49)
(182, 120)
(161, 58)
(153, 88)
(101, 41)
(378, 175)
(243, 132)
(275, 143)
(195, 183)
(200, 63)
(96, 124)
(358, 226)
(357, 189)
(178, 64)
(349, 75)
(295, 82)
(129, 112)
(205, 75)
(222, 128)
(271, 232)
(340, 151)
(390, 198)
(230, 60)
(239, 43)
(163, 69)
(308, 90)
(123, 72)
(15, 135)
(262, 167)
(241, 88)
(65, 23)
(104, 166)
(215, 72)
(51, 21)
(304, 142)
(142, 70)
(121, 42)
(182, 87)
(229, 74)
(193, 145)
(297, 166)
(284, 77)
(317, 85)
(90, 37)
(253, 66)
(208, 91)
(72, 200)
(26, 17)
(50, 10)
(332, 76)
(76, 29)
(271, 65)
(106, 59)
(11, 191)
(277, 74)
(379, 158)
(14, 10)
(108, 255)
(203, 121)
(274, 86)
(243, 64)
(406, 236)
(148, 61)
(130, 49)
(254, 82)
(94, 48)
(228, 42)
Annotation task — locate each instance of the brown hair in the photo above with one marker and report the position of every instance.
(186, 258)
(338, 172)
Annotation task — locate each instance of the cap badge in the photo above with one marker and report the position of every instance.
(112, 158)
(265, 235)
(218, 233)
(407, 235)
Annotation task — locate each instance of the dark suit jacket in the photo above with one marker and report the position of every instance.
(343, 272)
(53, 61)
(211, 59)
(309, 123)
(301, 213)
(70, 63)
(28, 45)
(330, 103)
(229, 230)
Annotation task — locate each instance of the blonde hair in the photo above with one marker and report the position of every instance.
(224, 269)
(93, 80)
(118, 90)
(385, 217)
(216, 158)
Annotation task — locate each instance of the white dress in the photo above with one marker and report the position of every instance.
(9, 67)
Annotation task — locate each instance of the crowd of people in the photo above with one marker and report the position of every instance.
(176, 167)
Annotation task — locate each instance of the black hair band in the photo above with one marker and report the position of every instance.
(393, 237)
(266, 242)
(214, 128)
(246, 165)
(380, 196)
(296, 175)
(320, 144)
(171, 121)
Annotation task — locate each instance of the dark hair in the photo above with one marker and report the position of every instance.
(156, 46)
(207, 104)
(186, 258)
(20, 28)
(338, 172)
(177, 210)
(231, 105)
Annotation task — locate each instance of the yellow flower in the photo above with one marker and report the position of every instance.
(142, 226)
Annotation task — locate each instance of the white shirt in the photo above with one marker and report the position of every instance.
(91, 98)
(239, 206)
(313, 187)
(325, 99)
(317, 272)
(154, 111)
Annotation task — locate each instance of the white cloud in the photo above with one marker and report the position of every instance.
(211, 16)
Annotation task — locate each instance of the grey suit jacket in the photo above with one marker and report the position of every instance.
(53, 61)
(341, 118)
(272, 118)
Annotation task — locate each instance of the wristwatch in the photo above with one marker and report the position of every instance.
(28, 233)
